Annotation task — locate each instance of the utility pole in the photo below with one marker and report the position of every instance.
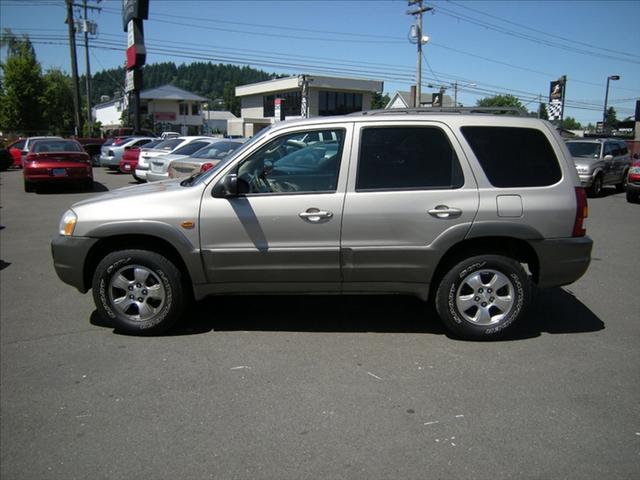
(87, 27)
(74, 64)
(419, 41)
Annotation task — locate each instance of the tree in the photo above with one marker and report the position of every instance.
(379, 101)
(57, 99)
(570, 123)
(542, 112)
(231, 102)
(501, 101)
(21, 90)
(611, 118)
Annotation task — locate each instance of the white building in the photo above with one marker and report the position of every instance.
(216, 121)
(109, 113)
(299, 96)
(403, 100)
(165, 108)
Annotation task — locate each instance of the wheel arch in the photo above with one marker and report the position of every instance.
(137, 242)
(516, 248)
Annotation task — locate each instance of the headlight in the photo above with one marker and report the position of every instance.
(582, 169)
(68, 223)
(634, 170)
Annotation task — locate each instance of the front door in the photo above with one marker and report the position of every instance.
(285, 228)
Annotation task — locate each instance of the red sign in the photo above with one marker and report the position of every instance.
(164, 116)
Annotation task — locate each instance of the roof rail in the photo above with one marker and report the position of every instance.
(518, 112)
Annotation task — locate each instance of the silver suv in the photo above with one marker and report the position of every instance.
(469, 210)
(601, 162)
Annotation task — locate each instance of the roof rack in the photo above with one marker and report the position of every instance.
(518, 112)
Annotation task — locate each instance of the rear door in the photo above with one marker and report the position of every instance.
(409, 185)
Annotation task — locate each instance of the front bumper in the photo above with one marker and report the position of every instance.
(562, 261)
(69, 257)
(586, 179)
(109, 161)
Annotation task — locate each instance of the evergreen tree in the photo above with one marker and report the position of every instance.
(58, 102)
(21, 90)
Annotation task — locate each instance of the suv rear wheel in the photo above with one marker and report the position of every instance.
(139, 291)
(596, 187)
(482, 296)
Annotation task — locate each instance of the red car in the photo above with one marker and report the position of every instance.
(633, 183)
(57, 160)
(129, 160)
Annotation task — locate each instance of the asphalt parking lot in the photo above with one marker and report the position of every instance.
(315, 387)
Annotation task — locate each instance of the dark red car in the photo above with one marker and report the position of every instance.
(57, 160)
(633, 183)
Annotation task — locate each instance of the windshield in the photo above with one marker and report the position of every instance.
(229, 158)
(216, 150)
(168, 144)
(584, 149)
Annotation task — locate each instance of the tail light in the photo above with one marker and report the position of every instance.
(31, 157)
(206, 166)
(582, 212)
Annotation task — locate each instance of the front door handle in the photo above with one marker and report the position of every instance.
(443, 211)
(315, 215)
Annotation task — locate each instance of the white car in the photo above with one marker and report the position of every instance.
(159, 167)
(163, 148)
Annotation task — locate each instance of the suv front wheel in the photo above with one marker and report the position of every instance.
(482, 296)
(138, 291)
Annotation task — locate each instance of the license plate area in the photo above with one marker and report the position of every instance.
(59, 172)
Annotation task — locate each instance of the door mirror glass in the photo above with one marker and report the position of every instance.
(227, 187)
(608, 158)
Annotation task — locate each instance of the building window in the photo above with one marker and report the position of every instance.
(339, 103)
(291, 104)
(195, 109)
(184, 109)
(144, 109)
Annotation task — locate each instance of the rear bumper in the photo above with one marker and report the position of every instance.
(109, 161)
(69, 256)
(562, 261)
(71, 175)
(156, 177)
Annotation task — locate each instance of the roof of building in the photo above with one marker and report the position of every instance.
(314, 81)
(108, 103)
(218, 115)
(170, 92)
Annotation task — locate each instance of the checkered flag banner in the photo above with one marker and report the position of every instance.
(554, 109)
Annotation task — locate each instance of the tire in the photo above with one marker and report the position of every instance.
(29, 186)
(622, 186)
(595, 190)
(138, 179)
(469, 304)
(633, 197)
(139, 291)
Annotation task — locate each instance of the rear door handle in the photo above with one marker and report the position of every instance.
(443, 211)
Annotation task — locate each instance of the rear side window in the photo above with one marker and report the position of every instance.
(514, 157)
(407, 158)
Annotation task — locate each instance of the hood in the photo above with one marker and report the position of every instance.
(133, 191)
(585, 161)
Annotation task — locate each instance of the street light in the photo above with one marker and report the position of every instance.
(606, 99)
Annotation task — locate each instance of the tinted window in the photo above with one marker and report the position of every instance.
(407, 158)
(169, 144)
(584, 149)
(514, 157)
(190, 148)
(623, 149)
(56, 146)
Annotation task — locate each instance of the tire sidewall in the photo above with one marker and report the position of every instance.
(168, 275)
(448, 289)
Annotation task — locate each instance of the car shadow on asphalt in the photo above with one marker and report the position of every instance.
(553, 311)
(61, 188)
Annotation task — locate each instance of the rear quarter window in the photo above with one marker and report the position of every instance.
(514, 156)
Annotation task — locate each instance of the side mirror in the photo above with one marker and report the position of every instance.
(608, 158)
(227, 187)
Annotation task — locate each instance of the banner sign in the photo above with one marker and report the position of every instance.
(138, 9)
(556, 100)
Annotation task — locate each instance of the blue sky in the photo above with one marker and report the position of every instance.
(471, 42)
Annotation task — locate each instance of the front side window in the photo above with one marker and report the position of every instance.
(293, 164)
(407, 158)
(513, 156)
